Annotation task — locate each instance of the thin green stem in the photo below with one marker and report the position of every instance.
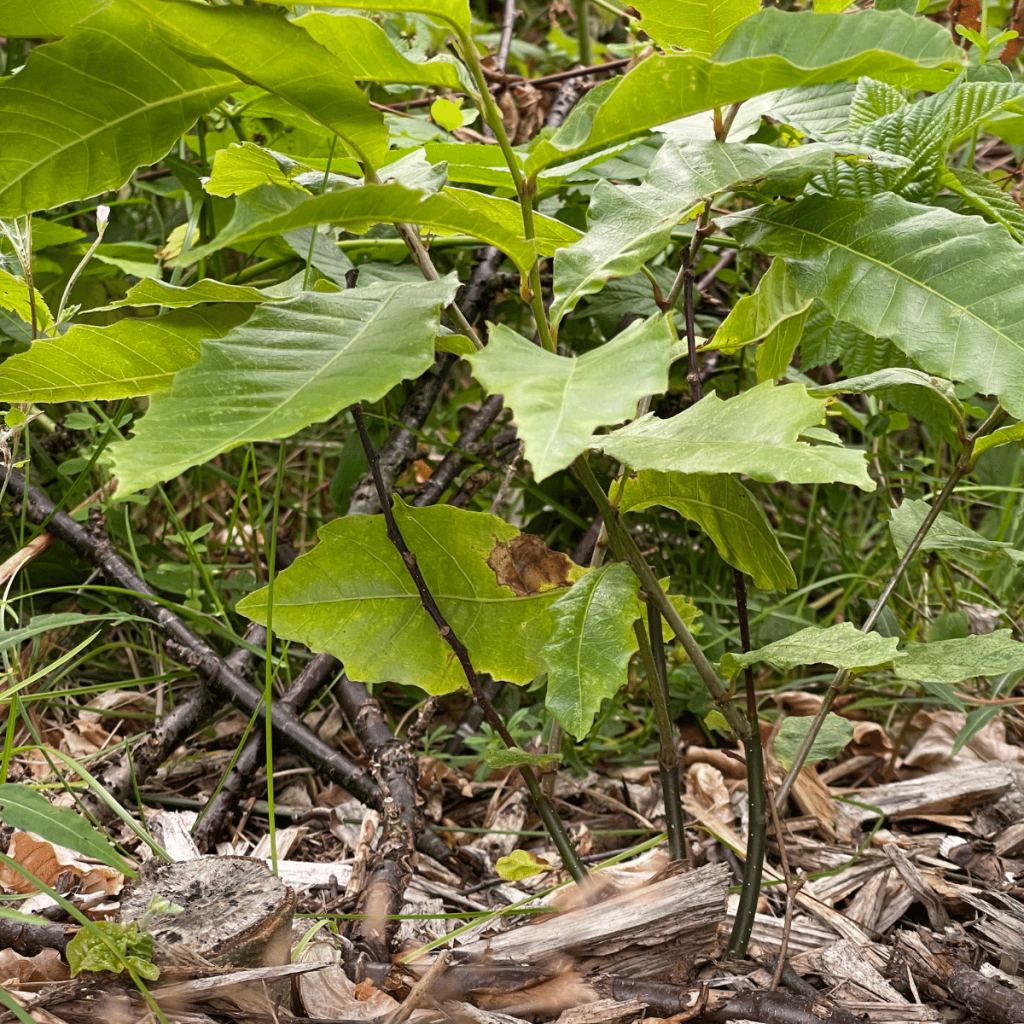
(525, 188)
(625, 549)
(583, 33)
(668, 756)
(757, 825)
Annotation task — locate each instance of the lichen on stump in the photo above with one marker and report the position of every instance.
(235, 911)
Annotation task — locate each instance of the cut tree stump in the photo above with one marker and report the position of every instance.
(235, 911)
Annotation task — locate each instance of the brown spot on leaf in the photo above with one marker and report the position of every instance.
(527, 566)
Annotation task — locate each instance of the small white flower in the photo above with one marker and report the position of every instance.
(102, 216)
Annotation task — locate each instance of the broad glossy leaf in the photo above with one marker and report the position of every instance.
(558, 402)
(294, 363)
(629, 224)
(769, 50)
(698, 25)
(947, 536)
(49, 20)
(725, 510)
(69, 128)
(952, 661)
(352, 596)
(370, 56)
(948, 290)
(450, 12)
(836, 732)
(590, 645)
(262, 47)
(14, 295)
(269, 211)
(129, 358)
(754, 433)
(843, 646)
(160, 293)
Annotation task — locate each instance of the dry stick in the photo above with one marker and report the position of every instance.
(964, 466)
(398, 771)
(195, 652)
(570, 859)
(306, 686)
(452, 463)
(400, 447)
(508, 25)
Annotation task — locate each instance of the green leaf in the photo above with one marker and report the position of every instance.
(922, 132)
(835, 734)
(240, 168)
(929, 399)
(590, 646)
(985, 196)
(754, 433)
(294, 363)
(944, 288)
(24, 808)
(948, 537)
(131, 357)
(327, 257)
(520, 864)
(843, 646)
(512, 757)
(451, 12)
(446, 114)
(630, 224)
(269, 211)
(558, 402)
(698, 25)
(19, 20)
(352, 596)
(873, 100)
(69, 128)
(370, 56)
(133, 949)
(14, 295)
(160, 293)
(725, 510)
(818, 111)
(775, 313)
(262, 47)
(1004, 435)
(767, 51)
(59, 620)
(952, 661)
